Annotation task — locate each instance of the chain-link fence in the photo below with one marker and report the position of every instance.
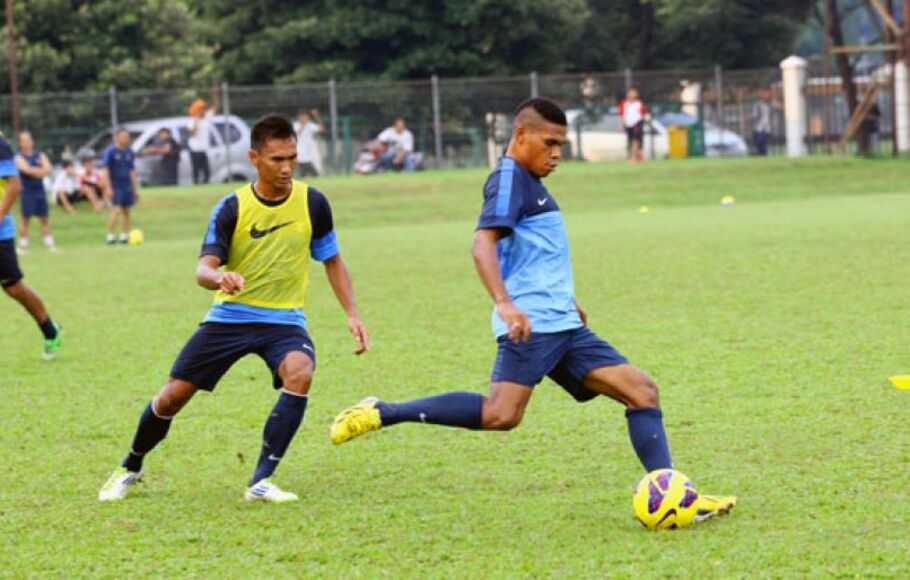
(465, 122)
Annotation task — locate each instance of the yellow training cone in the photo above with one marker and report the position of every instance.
(901, 381)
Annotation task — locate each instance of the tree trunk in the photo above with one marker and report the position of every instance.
(845, 68)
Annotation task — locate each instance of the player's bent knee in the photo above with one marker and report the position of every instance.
(646, 394)
(173, 397)
(496, 420)
(297, 381)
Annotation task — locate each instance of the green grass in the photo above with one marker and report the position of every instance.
(771, 327)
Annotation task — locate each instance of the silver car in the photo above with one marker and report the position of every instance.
(229, 144)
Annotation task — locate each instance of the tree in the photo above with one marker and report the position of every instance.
(79, 44)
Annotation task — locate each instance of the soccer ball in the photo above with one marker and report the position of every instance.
(136, 237)
(665, 499)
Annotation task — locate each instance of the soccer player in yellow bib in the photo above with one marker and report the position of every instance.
(255, 256)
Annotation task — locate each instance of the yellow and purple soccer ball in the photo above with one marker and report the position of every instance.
(665, 499)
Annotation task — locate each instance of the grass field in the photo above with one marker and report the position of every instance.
(771, 327)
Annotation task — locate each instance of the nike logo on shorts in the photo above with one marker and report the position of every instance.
(256, 234)
(541, 201)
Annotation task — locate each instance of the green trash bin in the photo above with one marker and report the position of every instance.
(697, 140)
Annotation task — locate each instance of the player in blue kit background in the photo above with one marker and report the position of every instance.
(521, 252)
(122, 183)
(10, 274)
(263, 235)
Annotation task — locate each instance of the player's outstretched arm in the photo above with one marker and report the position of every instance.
(486, 260)
(340, 279)
(210, 277)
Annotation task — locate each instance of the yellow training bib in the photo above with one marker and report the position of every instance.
(270, 248)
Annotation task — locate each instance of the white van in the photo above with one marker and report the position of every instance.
(228, 161)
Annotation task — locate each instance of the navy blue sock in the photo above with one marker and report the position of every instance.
(646, 428)
(151, 431)
(48, 329)
(278, 432)
(458, 409)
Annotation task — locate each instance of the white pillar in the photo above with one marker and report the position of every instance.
(902, 106)
(795, 112)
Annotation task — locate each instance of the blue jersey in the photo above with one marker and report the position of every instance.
(119, 163)
(323, 245)
(7, 169)
(32, 186)
(534, 253)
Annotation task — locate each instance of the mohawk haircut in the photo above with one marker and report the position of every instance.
(547, 109)
(271, 126)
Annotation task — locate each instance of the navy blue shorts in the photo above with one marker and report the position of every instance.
(33, 205)
(124, 197)
(566, 357)
(216, 346)
(10, 273)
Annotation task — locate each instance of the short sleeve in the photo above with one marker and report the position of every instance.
(220, 232)
(106, 156)
(324, 244)
(502, 198)
(8, 166)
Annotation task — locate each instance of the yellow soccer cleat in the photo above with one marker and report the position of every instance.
(710, 506)
(355, 421)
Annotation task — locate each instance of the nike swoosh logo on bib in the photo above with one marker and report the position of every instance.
(256, 234)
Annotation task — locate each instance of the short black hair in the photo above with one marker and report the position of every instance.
(271, 126)
(544, 107)
(67, 163)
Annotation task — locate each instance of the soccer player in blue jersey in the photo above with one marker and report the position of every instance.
(521, 252)
(33, 166)
(256, 256)
(122, 183)
(10, 274)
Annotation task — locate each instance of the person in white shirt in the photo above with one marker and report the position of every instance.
(307, 125)
(399, 143)
(634, 113)
(200, 140)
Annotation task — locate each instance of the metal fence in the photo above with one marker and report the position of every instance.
(456, 122)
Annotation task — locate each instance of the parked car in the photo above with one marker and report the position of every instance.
(603, 137)
(230, 142)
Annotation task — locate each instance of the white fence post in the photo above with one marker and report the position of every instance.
(902, 106)
(437, 120)
(535, 90)
(226, 112)
(333, 121)
(113, 104)
(795, 114)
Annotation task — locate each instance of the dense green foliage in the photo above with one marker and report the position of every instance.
(76, 44)
(771, 327)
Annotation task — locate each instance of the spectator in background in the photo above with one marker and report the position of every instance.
(167, 147)
(399, 144)
(199, 140)
(68, 189)
(761, 122)
(33, 167)
(872, 126)
(308, 123)
(122, 184)
(91, 181)
(634, 113)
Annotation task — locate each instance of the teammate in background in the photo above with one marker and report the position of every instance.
(122, 184)
(633, 113)
(33, 167)
(199, 140)
(10, 274)
(521, 252)
(263, 236)
(307, 125)
(168, 165)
